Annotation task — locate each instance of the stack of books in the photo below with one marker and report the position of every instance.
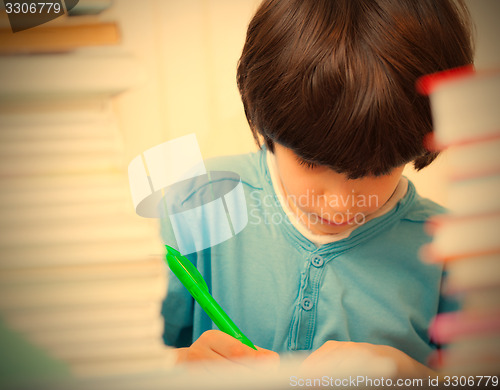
(81, 276)
(467, 122)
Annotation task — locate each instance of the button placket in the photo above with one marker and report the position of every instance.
(303, 321)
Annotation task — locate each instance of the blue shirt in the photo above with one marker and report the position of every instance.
(287, 294)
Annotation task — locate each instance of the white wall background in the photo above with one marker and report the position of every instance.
(189, 50)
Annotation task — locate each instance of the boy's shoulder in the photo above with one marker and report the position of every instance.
(248, 166)
(422, 209)
(224, 170)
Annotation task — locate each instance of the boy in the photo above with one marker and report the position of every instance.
(329, 261)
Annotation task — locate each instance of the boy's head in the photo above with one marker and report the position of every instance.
(334, 80)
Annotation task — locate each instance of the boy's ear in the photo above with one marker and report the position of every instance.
(430, 142)
(423, 161)
(269, 144)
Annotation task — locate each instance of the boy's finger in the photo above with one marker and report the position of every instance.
(267, 354)
(224, 345)
(227, 347)
(268, 360)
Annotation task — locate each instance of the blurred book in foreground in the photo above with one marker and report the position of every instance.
(467, 121)
(81, 276)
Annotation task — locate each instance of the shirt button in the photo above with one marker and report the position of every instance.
(306, 304)
(317, 261)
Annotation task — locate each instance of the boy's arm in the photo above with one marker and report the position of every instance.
(178, 306)
(177, 312)
(364, 359)
(212, 345)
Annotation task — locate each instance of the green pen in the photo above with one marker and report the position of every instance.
(191, 278)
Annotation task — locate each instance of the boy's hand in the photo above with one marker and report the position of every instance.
(351, 358)
(214, 345)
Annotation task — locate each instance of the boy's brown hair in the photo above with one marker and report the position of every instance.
(334, 80)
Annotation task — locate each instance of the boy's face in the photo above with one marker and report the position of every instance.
(326, 201)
